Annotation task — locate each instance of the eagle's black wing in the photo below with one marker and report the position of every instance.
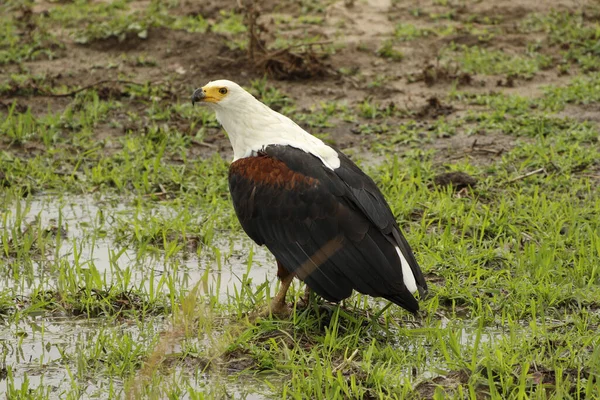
(333, 229)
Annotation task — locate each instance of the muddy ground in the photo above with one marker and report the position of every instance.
(349, 70)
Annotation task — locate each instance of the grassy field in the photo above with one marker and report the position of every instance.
(125, 274)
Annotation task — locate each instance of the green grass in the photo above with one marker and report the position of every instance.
(512, 266)
(495, 62)
(576, 36)
(581, 90)
(124, 271)
(407, 32)
(19, 43)
(387, 50)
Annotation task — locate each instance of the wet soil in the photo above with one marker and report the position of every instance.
(185, 60)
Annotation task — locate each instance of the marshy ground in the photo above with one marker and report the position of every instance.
(124, 272)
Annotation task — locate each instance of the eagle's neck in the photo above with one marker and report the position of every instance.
(253, 126)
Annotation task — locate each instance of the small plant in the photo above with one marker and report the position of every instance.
(368, 109)
(407, 32)
(229, 23)
(25, 43)
(141, 60)
(571, 32)
(387, 50)
(581, 90)
(192, 24)
(120, 27)
(491, 62)
(19, 127)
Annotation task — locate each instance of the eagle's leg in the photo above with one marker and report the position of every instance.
(278, 305)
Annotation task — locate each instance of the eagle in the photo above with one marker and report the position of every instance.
(325, 220)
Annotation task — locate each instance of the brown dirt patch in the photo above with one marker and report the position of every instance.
(457, 180)
(479, 149)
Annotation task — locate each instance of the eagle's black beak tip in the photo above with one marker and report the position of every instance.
(197, 96)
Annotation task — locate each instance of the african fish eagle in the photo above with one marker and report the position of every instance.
(321, 216)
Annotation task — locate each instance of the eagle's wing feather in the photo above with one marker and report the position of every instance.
(333, 229)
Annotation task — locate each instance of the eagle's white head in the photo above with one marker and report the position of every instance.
(251, 125)
(222, 94)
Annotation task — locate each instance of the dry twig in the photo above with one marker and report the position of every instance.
(537, 171)
(204, 144)
(100, 82)
(346, 361)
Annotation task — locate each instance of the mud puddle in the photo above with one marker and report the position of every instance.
(47, 352)
(86, 224)
(37, 351)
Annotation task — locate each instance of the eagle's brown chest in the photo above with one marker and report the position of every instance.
(265, 170)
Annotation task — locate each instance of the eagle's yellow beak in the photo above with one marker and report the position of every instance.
(209, 94)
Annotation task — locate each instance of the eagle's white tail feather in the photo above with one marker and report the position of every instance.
(407, 274)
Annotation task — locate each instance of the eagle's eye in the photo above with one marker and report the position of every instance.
(223, 90)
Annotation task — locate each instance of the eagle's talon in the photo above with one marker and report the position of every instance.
(280, 309)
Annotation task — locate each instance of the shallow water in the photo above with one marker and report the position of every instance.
(43, 350)
(83, 218)
(34, 349)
